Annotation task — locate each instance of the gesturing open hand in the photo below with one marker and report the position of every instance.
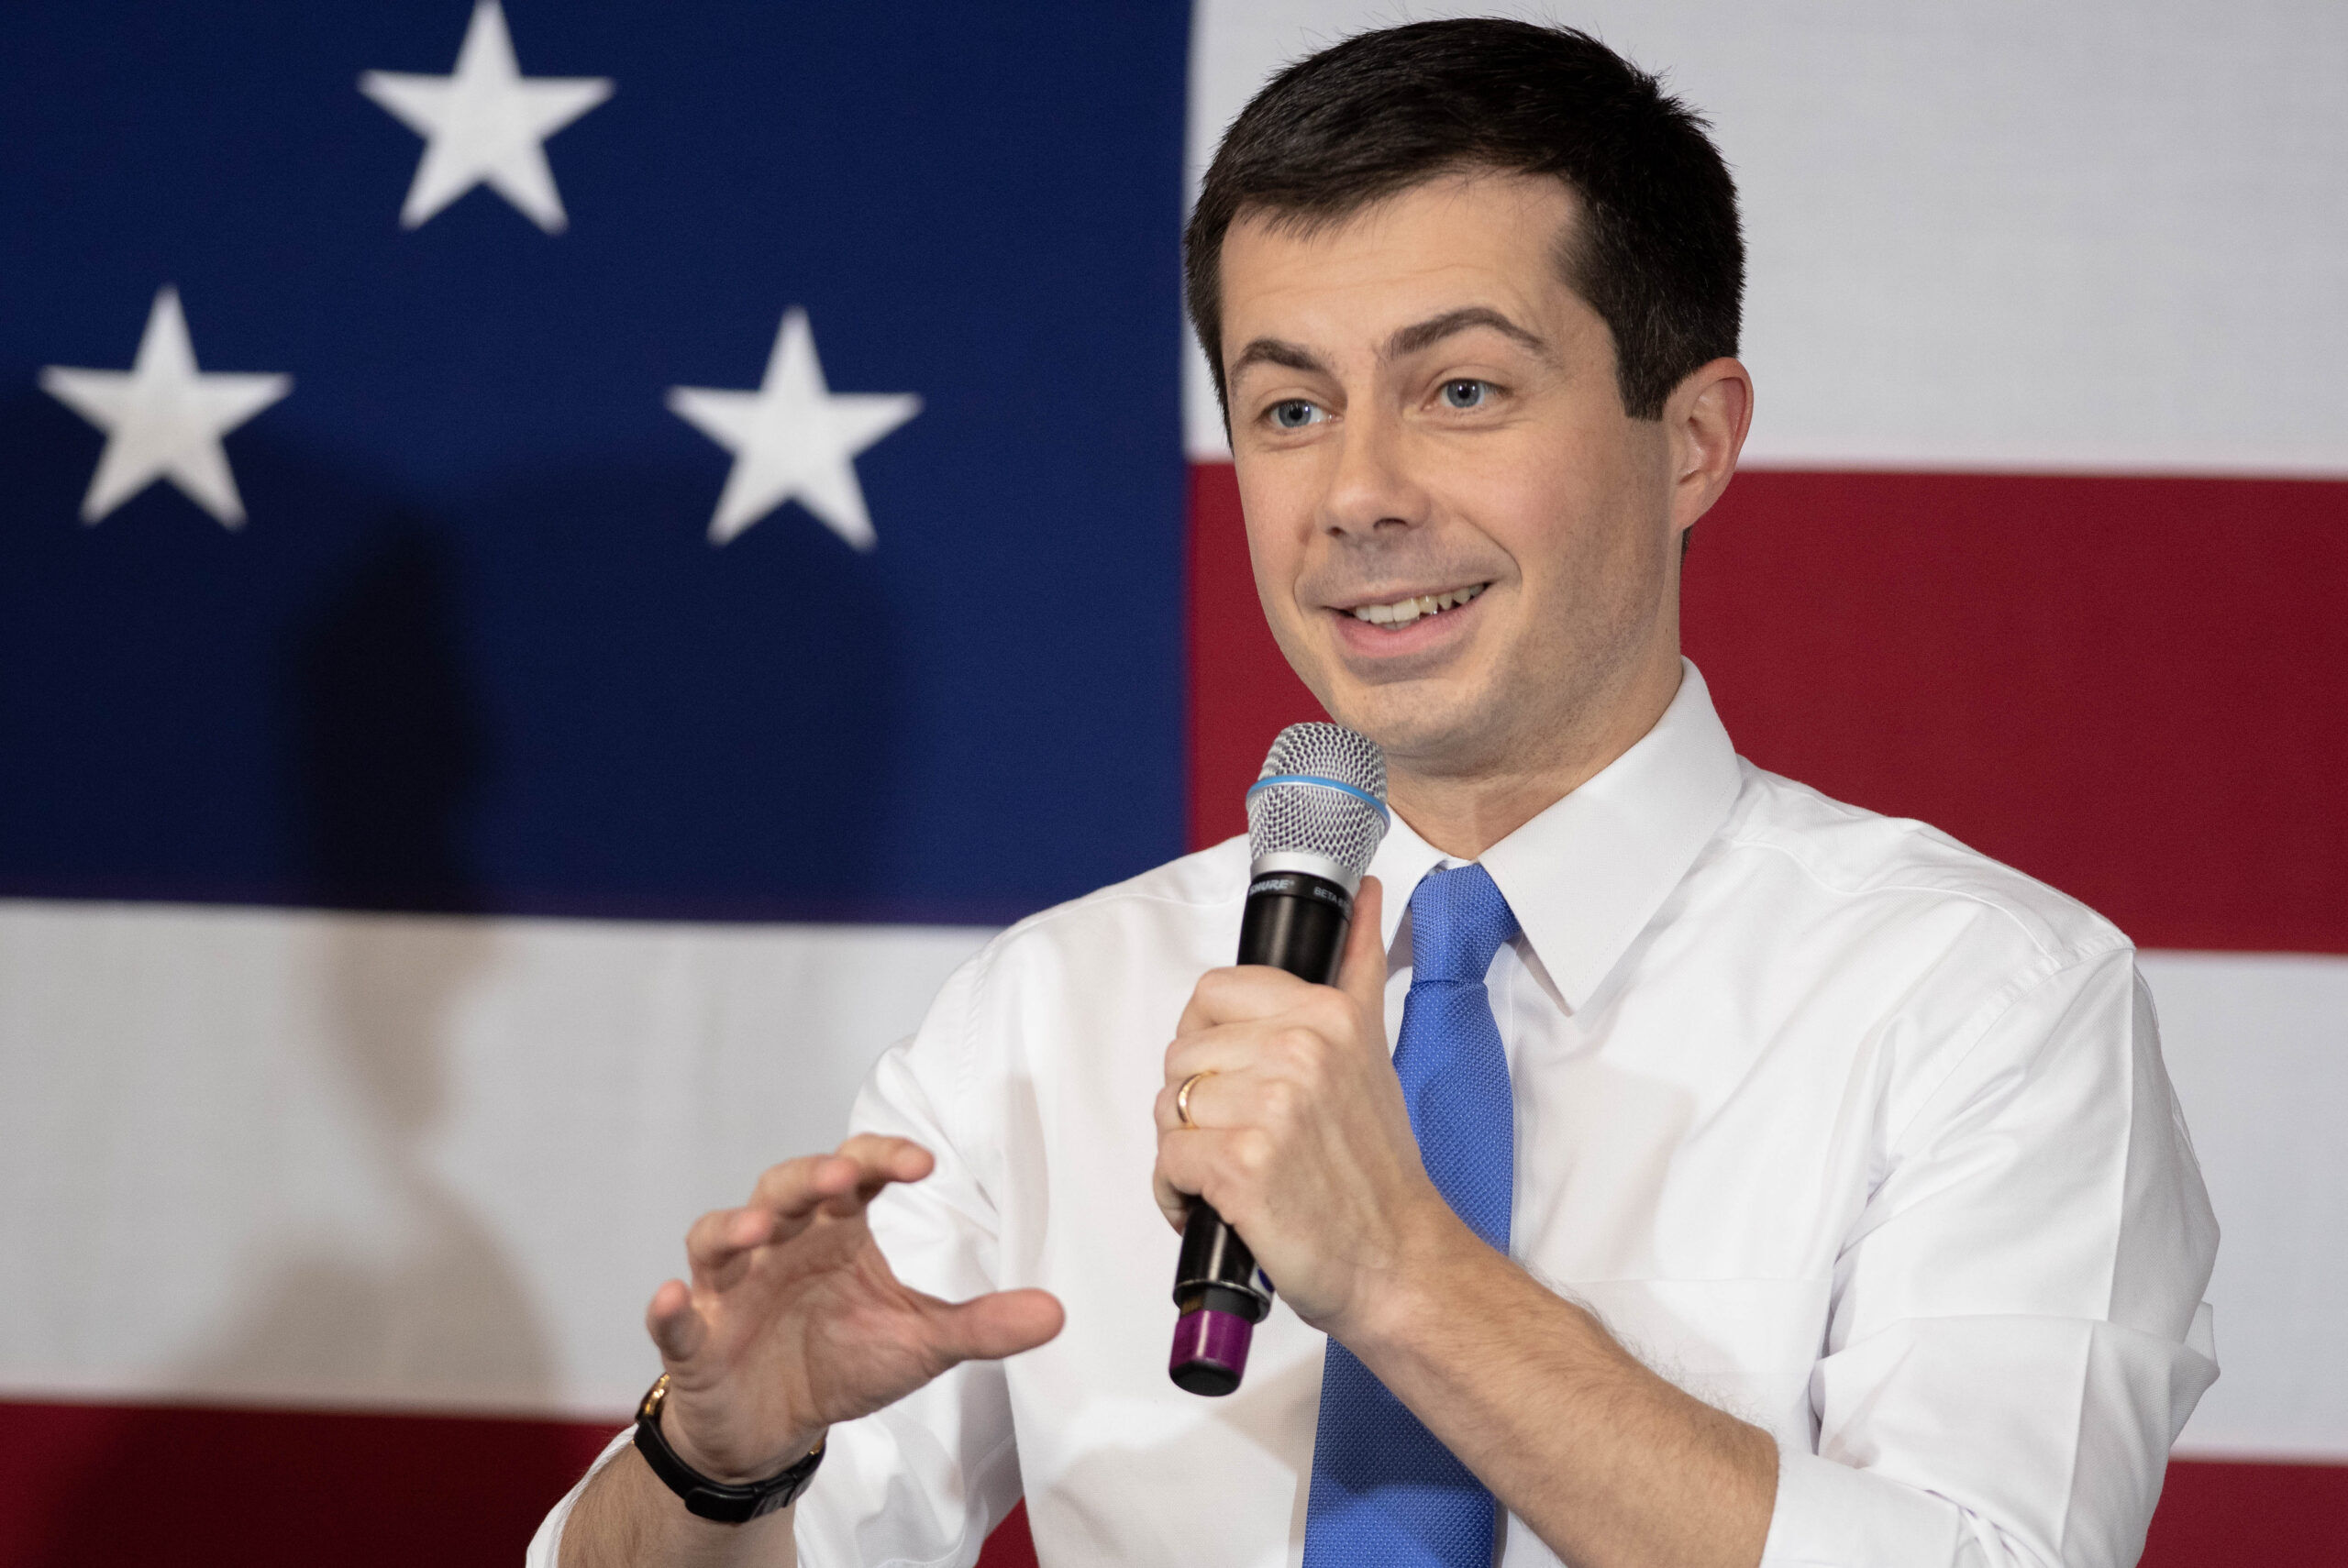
(794, 1320)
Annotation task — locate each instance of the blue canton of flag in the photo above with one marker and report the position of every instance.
(708, 461)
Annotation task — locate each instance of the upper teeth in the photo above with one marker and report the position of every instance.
(1403, 611)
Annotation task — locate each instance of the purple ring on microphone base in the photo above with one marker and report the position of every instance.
(1210, 1351)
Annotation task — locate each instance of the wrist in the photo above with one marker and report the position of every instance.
(681, 1414)
(724, 1498)
(1438, 1265)
(742, 1474)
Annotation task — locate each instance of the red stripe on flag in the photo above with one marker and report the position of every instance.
(1242, 691)
(2129, 688)
(2237, 1515)
(128, 1486)
(114, 1486)
(1012, 1545)
(110, 1486)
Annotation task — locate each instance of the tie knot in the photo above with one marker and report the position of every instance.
(1458, 919)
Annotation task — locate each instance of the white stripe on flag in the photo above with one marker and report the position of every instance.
(2257, 1047)
(2104, 236)
(397, 1162)
(285, 1157)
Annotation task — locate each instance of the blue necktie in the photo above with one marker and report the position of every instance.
(1385, 1493)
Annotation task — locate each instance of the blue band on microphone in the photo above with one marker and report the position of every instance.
(1364, 795)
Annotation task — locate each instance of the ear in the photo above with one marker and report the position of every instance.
(1704, 421)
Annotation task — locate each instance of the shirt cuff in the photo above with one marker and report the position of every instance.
(1831, 1516)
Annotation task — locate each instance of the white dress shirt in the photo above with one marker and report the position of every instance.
(1839, 1125)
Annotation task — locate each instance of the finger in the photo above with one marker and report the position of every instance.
(1172, 1202)
(838, 1183)
(1361, 974)
(880, 1160)
(880, 1157)
(724, 1238)
(1220, 1096)
(674, 1324)
(992, 1327)
(721, 1235)
(1215, 1165)
(1238, 994)
(794, 1189)
(1226, 1048)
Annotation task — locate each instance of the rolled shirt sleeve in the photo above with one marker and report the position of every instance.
(2017, 1332)
(927, 1478)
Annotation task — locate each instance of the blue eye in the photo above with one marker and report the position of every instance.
(1294, 414)
(1464, 393)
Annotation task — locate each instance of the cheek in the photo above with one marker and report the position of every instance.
(1540, 507)
(1587, 560)
(1276, 510)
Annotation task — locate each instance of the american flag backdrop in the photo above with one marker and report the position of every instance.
(561, 565)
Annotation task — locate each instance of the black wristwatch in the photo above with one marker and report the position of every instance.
(720, 1501)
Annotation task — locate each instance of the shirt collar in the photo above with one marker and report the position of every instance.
(1585, 876)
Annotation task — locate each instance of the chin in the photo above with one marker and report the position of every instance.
(1426, 731)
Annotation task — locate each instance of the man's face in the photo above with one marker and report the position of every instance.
(1425, 415)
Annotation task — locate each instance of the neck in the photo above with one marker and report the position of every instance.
(1464, 813)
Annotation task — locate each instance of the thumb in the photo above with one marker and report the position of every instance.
(675, 1326)
(1001, 1324)
(1361, 974)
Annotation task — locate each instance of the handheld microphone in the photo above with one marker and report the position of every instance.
(1315, 816)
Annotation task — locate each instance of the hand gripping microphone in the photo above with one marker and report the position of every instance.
(1314, 818)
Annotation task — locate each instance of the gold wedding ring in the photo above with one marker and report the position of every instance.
(1182, 1097)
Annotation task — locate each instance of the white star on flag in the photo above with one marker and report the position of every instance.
(485, 122)
(793, 439)
(164, 418)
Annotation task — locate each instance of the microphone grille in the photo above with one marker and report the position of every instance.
(1310, 797)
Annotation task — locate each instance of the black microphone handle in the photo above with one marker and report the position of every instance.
(1294, 921)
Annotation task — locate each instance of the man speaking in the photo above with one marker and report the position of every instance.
(1835, 1209)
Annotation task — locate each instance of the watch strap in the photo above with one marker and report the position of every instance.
(724, 1502)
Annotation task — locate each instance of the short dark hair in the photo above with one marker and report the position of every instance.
(1658, 253)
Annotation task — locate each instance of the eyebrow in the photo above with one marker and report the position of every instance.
(1406, 340)
(1426, 334)
(1272, 351)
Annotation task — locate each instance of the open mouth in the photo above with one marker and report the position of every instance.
(1403, 612)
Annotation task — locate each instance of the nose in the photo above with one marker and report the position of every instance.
(1370, 487)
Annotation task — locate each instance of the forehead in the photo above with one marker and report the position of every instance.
(1482, 238)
